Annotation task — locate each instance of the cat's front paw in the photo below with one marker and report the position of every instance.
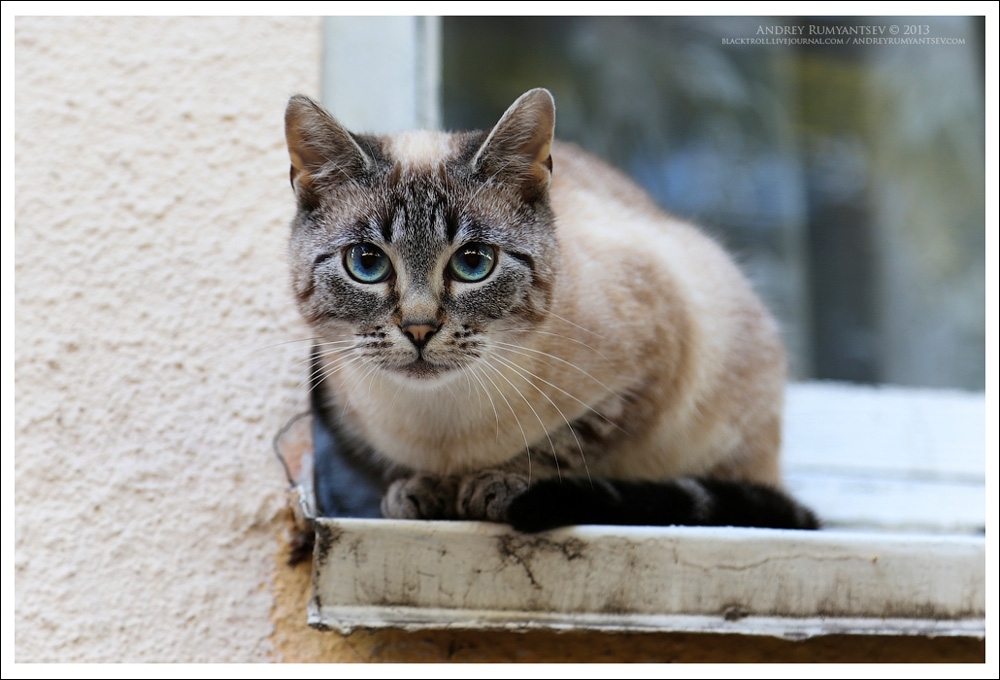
(487, 495)
(420, 497)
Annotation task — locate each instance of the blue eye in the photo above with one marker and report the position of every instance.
(473, 262)
(367, 263)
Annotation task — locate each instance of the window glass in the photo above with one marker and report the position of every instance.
(841, 159)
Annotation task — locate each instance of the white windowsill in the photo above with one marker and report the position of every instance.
(897, 475)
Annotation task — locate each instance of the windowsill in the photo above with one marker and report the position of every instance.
(876, 463)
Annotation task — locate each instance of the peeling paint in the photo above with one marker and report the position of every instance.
(522, 550)
(327, 537)
(734, 612)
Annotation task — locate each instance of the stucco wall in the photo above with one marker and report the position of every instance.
(152, 203)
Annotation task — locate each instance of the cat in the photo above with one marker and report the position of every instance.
(512, 331)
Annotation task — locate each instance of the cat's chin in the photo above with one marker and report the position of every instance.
(423, 370)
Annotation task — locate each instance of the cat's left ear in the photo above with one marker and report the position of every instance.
(519, 147)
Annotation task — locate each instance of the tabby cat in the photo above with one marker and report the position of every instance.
(512, 331)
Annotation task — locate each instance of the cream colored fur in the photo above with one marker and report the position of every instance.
(644, 304)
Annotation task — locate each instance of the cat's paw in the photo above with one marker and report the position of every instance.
(420, 497)
(487, 495)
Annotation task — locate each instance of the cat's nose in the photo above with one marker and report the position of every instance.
(419, 333)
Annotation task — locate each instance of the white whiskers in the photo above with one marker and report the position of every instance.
(470, 370)
(587, 406)
(527, 446)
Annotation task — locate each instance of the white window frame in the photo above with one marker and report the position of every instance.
(383, 74)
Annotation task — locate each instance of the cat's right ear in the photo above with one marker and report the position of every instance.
(322, 151)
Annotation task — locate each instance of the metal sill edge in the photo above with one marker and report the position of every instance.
(373, 574)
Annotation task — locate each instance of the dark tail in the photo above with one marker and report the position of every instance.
(690, 502)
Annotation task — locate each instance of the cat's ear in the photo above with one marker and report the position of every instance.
(519, 147)
(322, 151)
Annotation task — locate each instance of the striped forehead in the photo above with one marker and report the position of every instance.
(419, 188)
(420, 210)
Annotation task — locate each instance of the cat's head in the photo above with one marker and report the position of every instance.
(414, 252)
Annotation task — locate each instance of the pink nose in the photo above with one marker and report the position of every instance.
(419, 333)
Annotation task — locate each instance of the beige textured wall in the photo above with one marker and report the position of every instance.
(152, 203)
